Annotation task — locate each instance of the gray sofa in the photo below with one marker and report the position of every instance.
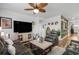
(3, 47)
(20, 48)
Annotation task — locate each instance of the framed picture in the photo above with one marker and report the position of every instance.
(56, 22)
(6, 23)
(48, 23)
(52, 23)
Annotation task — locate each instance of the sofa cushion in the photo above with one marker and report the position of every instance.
(11, 49)
(9, 41)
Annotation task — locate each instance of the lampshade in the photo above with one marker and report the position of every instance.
(36, 11)
(2, 33)
(7, 35)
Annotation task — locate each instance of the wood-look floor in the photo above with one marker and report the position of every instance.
(66, 41)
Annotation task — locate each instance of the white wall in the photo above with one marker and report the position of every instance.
(14, 16)
(20, 17)
(69, 28)
(54, 19)
(39, 22)
(38, 27)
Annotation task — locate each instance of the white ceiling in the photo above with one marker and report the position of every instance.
(53, 9)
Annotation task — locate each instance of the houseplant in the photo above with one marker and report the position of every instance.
(58, 32)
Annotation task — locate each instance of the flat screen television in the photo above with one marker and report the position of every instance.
(22, 27)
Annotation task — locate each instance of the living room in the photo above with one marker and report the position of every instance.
(24, 31)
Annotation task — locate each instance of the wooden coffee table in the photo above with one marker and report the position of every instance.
(43, 48)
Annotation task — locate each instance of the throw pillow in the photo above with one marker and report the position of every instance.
(11, 50)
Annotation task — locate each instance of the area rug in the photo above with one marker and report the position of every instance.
(57, 51)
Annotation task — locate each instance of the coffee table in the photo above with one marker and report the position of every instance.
(43, 48)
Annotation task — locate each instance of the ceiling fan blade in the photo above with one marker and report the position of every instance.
(28, 9)
(42, 5)
(42, 10)
(33, 5)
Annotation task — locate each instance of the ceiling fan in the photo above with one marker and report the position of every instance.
(37, 7)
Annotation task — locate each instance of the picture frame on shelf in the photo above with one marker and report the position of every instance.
(29, 36)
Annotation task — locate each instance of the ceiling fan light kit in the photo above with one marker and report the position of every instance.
(36, 11)
(37, 7)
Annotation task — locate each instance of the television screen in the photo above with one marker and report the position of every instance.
(21, 27)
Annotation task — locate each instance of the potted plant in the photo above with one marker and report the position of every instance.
(58, 33)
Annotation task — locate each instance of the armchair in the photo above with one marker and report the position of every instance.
(52, 37)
